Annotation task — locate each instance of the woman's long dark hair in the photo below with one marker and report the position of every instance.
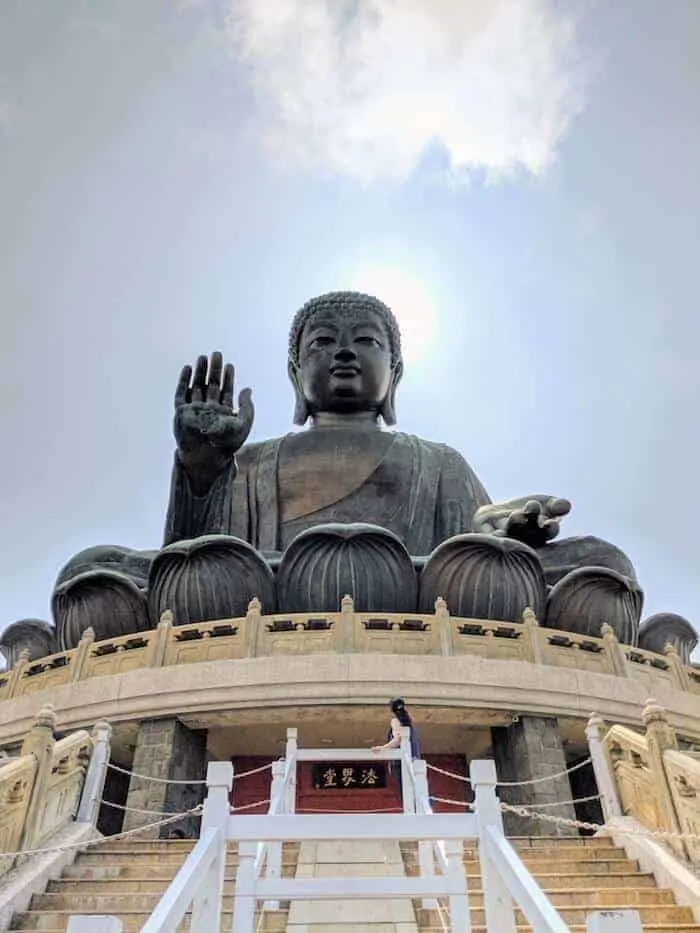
(398, 708)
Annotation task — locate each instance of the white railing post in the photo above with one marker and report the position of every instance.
(207, 902)
(605, 780)
(460, 918)
(290, 797)
(425, 848)
(244, 901)
(498, 903)
(273, 868)
(93, 787)
(409, 797)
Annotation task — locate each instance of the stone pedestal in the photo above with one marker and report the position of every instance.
(532, 748)
(168, 750)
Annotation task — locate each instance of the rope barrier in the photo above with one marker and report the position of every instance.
(249, 806)
(547, 777)
(450, 774)
(561, 803)
(121, 806)
(89, 843)
(599, 827)
(245, 774)
(455, 803)
(149, 777)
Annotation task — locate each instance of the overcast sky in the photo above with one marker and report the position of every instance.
(518, 179)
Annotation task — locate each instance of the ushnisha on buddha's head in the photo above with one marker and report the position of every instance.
(345, 357)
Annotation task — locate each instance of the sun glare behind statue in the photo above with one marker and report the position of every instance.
(410, 300)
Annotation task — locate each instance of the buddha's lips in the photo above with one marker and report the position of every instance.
(344, 372)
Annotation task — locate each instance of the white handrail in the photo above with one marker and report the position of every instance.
(505, 879)
(539, 911)
(200, 880)
(173, 906)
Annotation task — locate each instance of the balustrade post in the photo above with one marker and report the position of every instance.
(442, 619)
(290, 793)
(207, 903)
(406, 762)
(82, 654)
(604, 775)
(345, 637)
(613, 650)
(498, 902)
(17, 673)
(678, 668)
(244, 903)
(460, 917)
(425, 848)
(40, 743)
(531, 635)
(94, 783)
(158, 644)
(273, 866)
(253, 621)
(660, 737)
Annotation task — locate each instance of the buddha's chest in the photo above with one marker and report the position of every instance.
(322, 467)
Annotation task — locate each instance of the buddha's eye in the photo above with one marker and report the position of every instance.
(323, 340)
(368, 341)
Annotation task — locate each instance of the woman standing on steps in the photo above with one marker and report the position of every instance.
(400, 717)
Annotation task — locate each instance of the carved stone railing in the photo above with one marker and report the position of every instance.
(258, 635)
(41, 789)
(16, 786)
(656, 783)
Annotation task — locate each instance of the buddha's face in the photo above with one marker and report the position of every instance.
(344, 363)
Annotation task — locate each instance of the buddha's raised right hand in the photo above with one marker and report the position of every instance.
(208, 431)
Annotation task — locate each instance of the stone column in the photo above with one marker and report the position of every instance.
(532, 748)
(167, 749)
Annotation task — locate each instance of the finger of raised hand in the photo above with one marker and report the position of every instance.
(551, 528)
(227, 386)
(183, 386)
(199, 383)
(532, 508)
(557, 507)
(246, 409)
(517, 518)
(214, 384)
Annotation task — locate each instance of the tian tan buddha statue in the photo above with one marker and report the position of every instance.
(344, 506)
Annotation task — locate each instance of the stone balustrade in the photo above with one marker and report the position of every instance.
(40, 790)
(347, 631)
(657, 784)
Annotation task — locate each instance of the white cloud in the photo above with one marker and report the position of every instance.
(367, 87)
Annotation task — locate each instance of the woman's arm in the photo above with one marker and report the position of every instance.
(394, 741)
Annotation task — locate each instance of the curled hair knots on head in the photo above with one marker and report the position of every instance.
(348, 304)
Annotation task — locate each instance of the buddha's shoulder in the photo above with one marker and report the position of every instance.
(435, 449)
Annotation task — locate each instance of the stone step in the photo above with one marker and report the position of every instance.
(107, 899)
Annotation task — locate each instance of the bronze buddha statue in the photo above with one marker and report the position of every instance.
(345, 475)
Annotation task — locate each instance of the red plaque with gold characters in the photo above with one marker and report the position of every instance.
(349, 776)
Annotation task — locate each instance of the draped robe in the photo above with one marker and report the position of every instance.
(422, 491)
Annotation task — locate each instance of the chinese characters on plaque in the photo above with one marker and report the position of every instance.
(350, 776)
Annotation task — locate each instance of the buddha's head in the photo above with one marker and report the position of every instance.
(345, 357)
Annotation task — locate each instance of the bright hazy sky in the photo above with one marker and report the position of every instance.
(519, 179)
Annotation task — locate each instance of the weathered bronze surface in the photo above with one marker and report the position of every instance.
(345, 365)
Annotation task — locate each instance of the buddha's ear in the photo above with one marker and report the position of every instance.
(301, 408)
(388, 406)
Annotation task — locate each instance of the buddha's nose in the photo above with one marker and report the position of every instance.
(345, 354)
